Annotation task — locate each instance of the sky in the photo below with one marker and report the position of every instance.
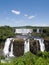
(24, 12)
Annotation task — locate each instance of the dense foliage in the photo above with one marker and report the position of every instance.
(29, 59)
(5, 32)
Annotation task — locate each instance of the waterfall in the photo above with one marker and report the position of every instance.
(6, 47)
(42, 46)
(41, 42)
(11, 52)
(26, 46)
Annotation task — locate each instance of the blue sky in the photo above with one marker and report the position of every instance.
(24, 12)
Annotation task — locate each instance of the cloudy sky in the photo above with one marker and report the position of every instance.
(24, 12)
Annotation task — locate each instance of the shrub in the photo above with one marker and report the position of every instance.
(41, 61)
(43, 54)
(2, 57)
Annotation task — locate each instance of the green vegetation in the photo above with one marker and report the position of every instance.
(5, 32)
(30, 59)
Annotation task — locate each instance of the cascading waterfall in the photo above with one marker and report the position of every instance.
(26, 46)
(11, 52)
(6, 47)
(42, 46)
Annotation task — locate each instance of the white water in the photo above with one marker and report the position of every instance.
(11, 52)
(6, 47)
(42, 46)
(23, 31)
(26, 46)
(37, 30)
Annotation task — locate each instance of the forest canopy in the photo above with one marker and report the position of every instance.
(5, 32)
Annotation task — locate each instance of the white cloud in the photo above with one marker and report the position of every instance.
(26, 15)
(15, 12)
(30, 17)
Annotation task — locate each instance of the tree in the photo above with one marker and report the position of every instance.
(5, 32)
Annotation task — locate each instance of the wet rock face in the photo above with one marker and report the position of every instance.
(34, 46)
(18, 47)
(46, 45)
